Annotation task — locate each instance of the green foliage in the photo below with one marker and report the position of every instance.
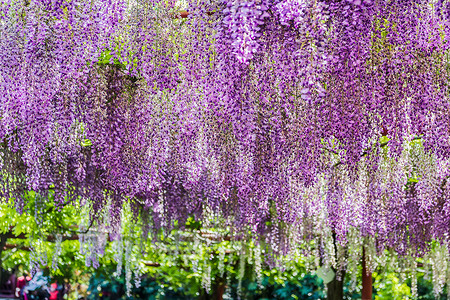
(300, 286)
(36, 228)
(389, 286)
(297, 286)
(183, 257)
(107, 59)
(103, 286)
(425, 289)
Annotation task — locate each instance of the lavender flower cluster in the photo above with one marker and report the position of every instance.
(297, 120)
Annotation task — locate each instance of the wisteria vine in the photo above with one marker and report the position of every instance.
(297, 120)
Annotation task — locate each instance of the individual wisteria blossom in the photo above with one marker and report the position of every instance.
(297, 121)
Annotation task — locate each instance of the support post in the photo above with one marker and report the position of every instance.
(3, 239)
(366, 293)
(335, 288)
(219, 287)
(220, 290)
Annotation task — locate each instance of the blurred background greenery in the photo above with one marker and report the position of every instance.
(181, 264)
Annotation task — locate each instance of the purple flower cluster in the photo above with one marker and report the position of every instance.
(286, 118)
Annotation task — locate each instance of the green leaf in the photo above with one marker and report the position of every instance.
(86, 143)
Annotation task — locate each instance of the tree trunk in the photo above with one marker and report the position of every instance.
(336, 288)
(3, 239)
(366, 293)
(219, 288)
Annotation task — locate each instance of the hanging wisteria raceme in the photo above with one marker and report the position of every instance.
(47, 86)
(89, 108)
(296, 120)
(348, 96)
